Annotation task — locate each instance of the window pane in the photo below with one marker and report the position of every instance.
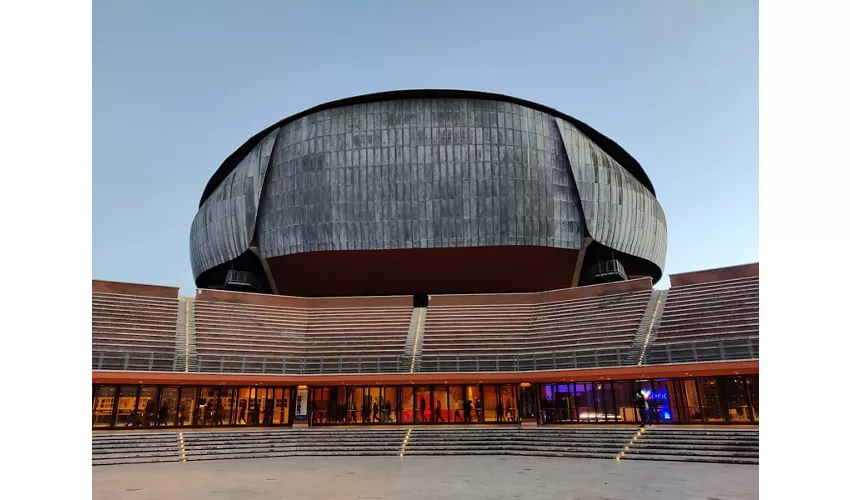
(358, 398)
(282, 398)
(353, 405)
(605, 402)
(664, 402)
(710, 396)
(225, 415)
(390, 401)
(735, 394)
(473, 399)
(689, 408)
(508, 402)
(456, 403)
(186, 410)
(407, 404)
(373, 402)
(207, 406)
(625, 400)
(147, 405)
(167, 412)
(491, 397)
(320, 404)
(243, 399)
(441, 404)
(584, 402)
(104, 401)
(423, 403)
(753, 384)
(127, 414)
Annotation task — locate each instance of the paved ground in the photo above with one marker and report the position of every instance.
(414, 478)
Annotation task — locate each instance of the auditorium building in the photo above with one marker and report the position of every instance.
(428, 257)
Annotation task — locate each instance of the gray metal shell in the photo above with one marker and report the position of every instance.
(224, 226)
(418, 174)
(422, 173)
(619, 212)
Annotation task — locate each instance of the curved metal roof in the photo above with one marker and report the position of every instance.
(608, 145)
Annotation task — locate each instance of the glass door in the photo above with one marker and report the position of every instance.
(527, 403)
(473, 399)
(456, 403)
(167, 411)
(128, 416)
(103, 406)
(441, 404)
(282, 397)
(186, 411)
(423, 404)
(147, 405)
(507, 399)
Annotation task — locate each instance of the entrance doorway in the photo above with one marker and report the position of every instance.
(420, 300)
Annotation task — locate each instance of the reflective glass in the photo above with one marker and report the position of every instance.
(102, 406)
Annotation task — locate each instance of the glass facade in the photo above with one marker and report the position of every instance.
(146, 406)
(418, 404)
(713, 400)
(704, 400)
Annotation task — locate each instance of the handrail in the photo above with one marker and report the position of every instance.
(734, 348)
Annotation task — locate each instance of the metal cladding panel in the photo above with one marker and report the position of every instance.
(418, 173)
(619, 211)
(224, 226)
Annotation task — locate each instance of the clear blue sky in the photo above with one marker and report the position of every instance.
(178, 86)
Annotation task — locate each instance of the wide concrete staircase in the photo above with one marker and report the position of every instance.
(597, 442)
(732, 446)
(293, 442)
(135, 447)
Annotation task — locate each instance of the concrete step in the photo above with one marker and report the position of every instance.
(141, 460)
(312, 439)
(195, 448)
(115, 451)
(530, 434)
(578, 454)
(518, 441)
(226, 456)
(675, 437)
(132, 439)
(706, 447)
(699, 459)
(147, 448)
(352, 453)
(132, 454)
(701, 453)
(707, 433)
(501, 448)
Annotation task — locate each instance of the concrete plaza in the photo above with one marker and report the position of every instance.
(415, 478)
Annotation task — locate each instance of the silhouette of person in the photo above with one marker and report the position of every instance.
(422, 409)
(268, 413)
(162, 418)
(150, 412)
(438, 412)
(242, 408)
(376, 412)
(255, 417)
